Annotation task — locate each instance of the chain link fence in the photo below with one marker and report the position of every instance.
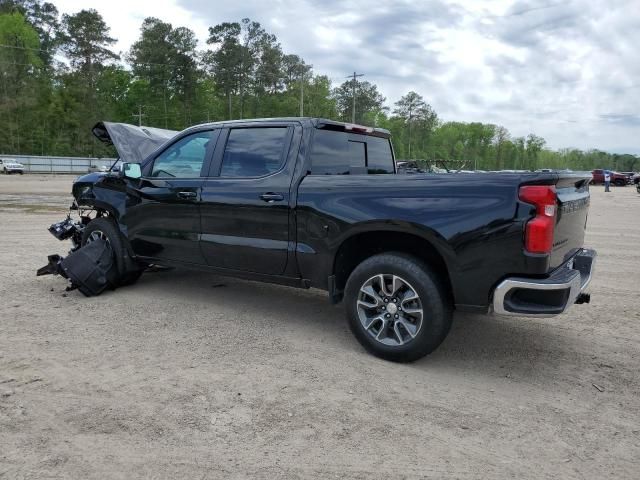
(79, 165)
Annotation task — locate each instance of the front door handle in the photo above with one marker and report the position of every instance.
(187, 195)
(271, 197)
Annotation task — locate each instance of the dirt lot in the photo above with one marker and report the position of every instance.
(187, 375)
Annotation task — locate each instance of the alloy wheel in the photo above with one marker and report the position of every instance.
(390, 309)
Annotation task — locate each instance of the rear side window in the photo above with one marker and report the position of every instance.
(379, 157)
(342, 153)
(254, 152)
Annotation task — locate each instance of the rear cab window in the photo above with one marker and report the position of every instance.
(344, 153)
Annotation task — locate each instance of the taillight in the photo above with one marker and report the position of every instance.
(538, 235)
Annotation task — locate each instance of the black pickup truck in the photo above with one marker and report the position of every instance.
(316, 203)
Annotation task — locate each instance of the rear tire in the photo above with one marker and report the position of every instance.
(620, 183)
(382, 297)
(105, 228)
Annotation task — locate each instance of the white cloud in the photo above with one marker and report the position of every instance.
(568, 71)
(125, 17)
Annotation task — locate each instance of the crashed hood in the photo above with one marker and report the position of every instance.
(133, 143)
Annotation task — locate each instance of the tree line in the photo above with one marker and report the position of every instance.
(48, 106)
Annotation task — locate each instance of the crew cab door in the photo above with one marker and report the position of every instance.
(163, 213)
(246, 198)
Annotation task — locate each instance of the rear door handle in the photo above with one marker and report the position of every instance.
(272, 197)
(187, 195)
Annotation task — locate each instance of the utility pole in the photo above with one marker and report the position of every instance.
(139, 115)
(410, 132)
(305, 68)
(353, 94)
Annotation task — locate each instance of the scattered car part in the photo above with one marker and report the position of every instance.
(91, 269)
(68, 229)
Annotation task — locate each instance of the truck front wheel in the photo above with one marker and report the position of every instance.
(105, 229)
(397, 307)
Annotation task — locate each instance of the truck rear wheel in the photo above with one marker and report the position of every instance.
(106, 230)
(397, 307)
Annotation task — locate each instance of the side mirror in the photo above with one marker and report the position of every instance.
(131, 170)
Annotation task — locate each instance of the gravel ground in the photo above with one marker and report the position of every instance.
(188, 375)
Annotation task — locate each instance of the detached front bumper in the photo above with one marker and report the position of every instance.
(549, 296)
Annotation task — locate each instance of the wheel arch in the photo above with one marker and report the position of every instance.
(361, 244)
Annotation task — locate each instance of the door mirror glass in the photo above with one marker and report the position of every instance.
(131, 170)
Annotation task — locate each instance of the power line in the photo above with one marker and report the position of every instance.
(20, 64)
(125, 62)
(26, 48)
(353, 93)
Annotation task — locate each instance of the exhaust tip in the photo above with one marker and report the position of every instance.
(583, 298)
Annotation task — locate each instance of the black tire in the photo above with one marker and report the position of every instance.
(620, 183)
(436, 305)
(110, 230)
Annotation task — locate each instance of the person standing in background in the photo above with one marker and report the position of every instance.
(607, 180)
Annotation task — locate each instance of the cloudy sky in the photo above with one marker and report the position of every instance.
(566, 70)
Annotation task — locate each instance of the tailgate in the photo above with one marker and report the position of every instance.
(571, 219)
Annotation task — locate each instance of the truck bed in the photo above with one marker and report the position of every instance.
(475, 222)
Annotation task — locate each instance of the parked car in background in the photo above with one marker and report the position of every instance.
(636, 179)
(8, 166)
(629, 176)
(617, 178)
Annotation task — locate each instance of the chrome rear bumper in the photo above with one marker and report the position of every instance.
(548, 296)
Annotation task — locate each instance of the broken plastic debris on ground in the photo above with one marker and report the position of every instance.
(90, 268)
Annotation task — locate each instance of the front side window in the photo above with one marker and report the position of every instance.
(254, 152)
(184, 159)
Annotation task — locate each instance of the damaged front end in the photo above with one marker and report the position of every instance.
(69, 229)
(90, 268)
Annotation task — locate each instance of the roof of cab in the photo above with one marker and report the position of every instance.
(321, 123)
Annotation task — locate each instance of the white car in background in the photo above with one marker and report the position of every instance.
(8, 166)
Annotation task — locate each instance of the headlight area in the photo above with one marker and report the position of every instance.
(83, 191)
